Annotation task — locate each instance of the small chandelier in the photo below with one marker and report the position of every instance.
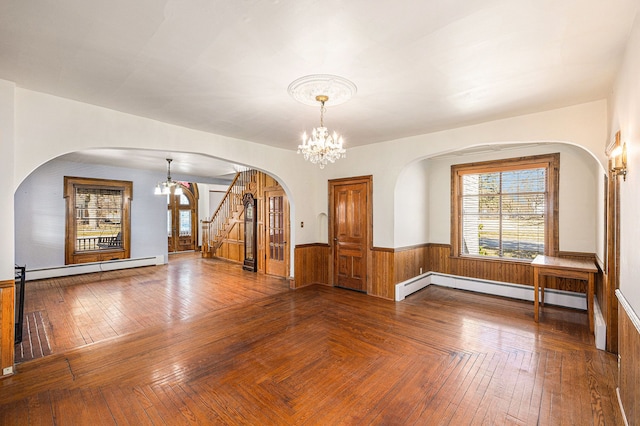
(322, 147)
(164, 188)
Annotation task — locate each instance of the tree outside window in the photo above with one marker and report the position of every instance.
(505, 209)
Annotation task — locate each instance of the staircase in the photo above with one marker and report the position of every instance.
(216, 230)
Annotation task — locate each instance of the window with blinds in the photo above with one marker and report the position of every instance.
(502, 208)
(98, 219)
(98, 213)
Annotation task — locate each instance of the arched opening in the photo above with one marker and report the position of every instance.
(40, 227)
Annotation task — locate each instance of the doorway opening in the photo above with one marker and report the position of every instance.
(182, 219)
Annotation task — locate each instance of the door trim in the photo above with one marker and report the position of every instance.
(368, 181)
(191, 192)
(286, 223)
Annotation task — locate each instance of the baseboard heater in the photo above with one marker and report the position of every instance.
(87, 268)
(515, 291)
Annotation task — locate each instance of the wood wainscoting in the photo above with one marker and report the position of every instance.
(392, 266)
(7, 323)
(311, 264)
(629, 356)
(516, 272)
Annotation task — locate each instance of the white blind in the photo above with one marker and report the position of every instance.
(503, 213)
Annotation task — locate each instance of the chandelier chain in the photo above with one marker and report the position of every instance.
(322, 111)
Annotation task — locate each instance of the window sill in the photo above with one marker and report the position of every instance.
(492, 259)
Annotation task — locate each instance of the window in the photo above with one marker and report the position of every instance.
(97, 219)
(506, 209)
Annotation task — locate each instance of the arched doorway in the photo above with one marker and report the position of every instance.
(182, 218)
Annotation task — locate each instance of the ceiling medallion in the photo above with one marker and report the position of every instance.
(322, 147)
(338, 89)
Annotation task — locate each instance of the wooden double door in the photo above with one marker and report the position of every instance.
(350, 232)
(182, 220)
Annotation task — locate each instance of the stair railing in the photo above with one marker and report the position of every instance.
(216, 230)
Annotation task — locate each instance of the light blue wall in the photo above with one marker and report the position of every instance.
(40, 212)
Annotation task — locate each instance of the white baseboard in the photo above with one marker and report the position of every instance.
(515, 291)
(412, 285)
(599, 326)
(87, 268)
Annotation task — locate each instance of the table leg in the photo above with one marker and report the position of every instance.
(590, 291)
(535, 294)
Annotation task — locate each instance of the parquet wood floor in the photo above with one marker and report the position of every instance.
(212, 344)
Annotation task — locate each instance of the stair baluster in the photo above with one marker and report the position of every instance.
(216, 230)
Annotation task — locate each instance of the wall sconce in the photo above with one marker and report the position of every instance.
(619, 159)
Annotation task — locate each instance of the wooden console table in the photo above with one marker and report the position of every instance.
(563, 268)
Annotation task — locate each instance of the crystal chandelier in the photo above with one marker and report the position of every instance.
(322, 147)
(164, 188)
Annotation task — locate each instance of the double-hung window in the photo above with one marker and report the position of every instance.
(97, 219)
(506, 209)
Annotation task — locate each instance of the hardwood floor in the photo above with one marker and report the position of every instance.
(90, 308)
(202, 342)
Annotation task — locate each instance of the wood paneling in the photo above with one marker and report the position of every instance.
(311, 264)
(392, 266)
(233, 247)
(409, 260)
(629, 351)
(382, 277)
(7, 321)
(609, 304)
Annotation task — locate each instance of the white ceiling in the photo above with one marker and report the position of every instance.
(223, 66)
(184, 166)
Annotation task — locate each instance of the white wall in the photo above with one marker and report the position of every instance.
(625, 116)
(210, 197)
(583, 125)
(216, 194)
(578, 192)
(47, 126)
(412, 214)
(7, 149)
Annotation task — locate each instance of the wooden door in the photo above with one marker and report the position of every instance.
(350, 226)
(277, 233)
(182, 230)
